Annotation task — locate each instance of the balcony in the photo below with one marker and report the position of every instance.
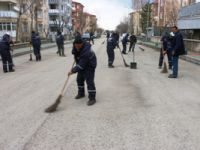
(53, 1)
(8, 14)
(56, 11)
(54, 23)
(9, 1)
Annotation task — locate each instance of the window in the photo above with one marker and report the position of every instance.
(24, 27)
(14, 26)
(40, 27)
(4, 26)
(8, 26)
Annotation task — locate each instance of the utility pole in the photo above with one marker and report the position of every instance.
(148, 18)
(60, 19)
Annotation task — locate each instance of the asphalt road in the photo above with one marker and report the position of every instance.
(136, 109)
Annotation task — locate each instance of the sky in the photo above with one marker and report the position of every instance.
(109, 12)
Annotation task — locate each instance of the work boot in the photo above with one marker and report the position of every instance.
(172, 76)
(110, 66)
(79, 96)
(12, 70)
(39, 58)
(91, 102)
(36, 58)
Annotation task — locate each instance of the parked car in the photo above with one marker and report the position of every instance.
(97, 35)
(86, 36)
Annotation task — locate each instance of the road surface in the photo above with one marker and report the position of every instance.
(136, 109)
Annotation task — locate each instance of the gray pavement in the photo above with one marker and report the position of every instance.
(136, 109)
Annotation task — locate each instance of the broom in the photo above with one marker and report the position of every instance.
(52, 108)
(125, 64)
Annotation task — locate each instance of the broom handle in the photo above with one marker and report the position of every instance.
(121, 53)
(64, 85)
(66, 81)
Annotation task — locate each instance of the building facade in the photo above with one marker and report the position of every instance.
(135, 26)
(8, 17)
(78, 18)
(33, 16)
(189, 20)
(60, 16)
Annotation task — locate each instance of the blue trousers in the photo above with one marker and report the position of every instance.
(111, 56)
(124, 48)
(7, 61)
(175, 65)
(36, 50)
(87, 76)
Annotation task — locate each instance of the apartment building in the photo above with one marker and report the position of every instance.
(189, 20)
(78, 18)
(33, 16)
(60, 16)
(135, 26)
(8, 17)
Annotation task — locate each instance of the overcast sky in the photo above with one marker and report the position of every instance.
(109, 12)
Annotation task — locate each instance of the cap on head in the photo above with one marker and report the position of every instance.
(78, 40)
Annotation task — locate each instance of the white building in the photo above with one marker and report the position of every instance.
(8, 17)
(60, 16)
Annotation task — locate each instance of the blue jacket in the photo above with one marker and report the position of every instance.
(5, 44)
(60, 39)
(178, 44)
(111, 43)
(85, 59)
(35, 39)
(167, 42)
(125, 39)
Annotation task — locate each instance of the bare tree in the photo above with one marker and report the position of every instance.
(138, 4)
(24, 6)
(171, 13)
(123, 26)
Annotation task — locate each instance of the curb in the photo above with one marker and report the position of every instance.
(42, 48)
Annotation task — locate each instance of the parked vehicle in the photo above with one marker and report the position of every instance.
(86, 36)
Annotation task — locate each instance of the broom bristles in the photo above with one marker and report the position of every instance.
(54, 106)
(164, 68)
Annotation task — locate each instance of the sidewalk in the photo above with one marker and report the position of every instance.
(190, 57)
(27, 50)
